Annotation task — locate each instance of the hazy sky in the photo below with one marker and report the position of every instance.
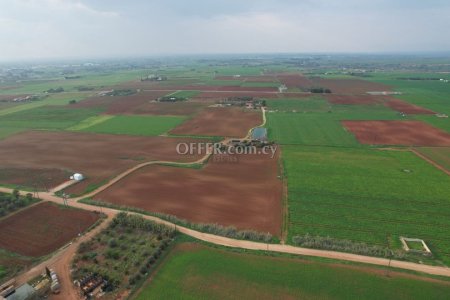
(107, 28)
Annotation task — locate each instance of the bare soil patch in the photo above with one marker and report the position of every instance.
(408, 108)
(407, 133)
(238, 190)
(220, 121)
(43, 178)
(295, 81)
(223, 95)
(98, 156)
(349, 86)
(133, 104)
(43, 228)
(206, 88)
(11, 97)
(354, 99)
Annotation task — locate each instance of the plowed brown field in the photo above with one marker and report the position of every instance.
(43, 228)
(407, 133)
(243, 191)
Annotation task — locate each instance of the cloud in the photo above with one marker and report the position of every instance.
(106, 28)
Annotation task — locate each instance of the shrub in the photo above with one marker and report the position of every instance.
(333, 244)
(112, 243)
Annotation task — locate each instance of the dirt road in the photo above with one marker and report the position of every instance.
(219, 240)
(61, 260)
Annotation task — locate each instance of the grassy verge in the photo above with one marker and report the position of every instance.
(205, 272)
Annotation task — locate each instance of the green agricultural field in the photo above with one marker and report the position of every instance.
(96, 81)
(91, 121)
(439, 155)
(192, 271)
(136, 125)
(5, 132)
(57, 99)
(46, 117)
(366, 195)
(431, 94)
(318, 123)
(308, 129)
(309, 104)
(260, 84)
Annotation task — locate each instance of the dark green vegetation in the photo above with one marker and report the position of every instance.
(12, 202)
(367, 196)
(46, 117)
(124, 253)
(201, 272)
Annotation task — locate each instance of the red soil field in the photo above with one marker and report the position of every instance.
(349, 86)
(98, 156)
(164, 108)
(262, 78)
(207, 88)
(295, 80)
(408, 108)
(43, 228)
(122, 105)
(11, 97)
(407, 133)
(220, 121)
(224, 95)
(354, 99)
(43, 177)
(245, 193)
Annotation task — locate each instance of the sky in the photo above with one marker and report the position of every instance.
(46, 29)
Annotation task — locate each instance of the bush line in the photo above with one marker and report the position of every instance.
(328, 243)
(216, 229)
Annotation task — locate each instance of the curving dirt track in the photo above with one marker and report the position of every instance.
(236, 190)
(98, 156)
(220, 121)
(406, 133)
(219, 240)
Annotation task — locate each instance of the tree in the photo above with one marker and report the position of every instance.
(29, 197)
(16, 194)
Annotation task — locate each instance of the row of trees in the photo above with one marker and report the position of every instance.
(12, 202)
(328, 243)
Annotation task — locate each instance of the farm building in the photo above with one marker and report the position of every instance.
(24, 292)
(77, 177)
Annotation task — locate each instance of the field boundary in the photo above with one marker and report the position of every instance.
(420, 155)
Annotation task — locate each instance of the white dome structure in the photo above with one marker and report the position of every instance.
(77, 177)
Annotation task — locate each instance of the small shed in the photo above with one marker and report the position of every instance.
(77, 177)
